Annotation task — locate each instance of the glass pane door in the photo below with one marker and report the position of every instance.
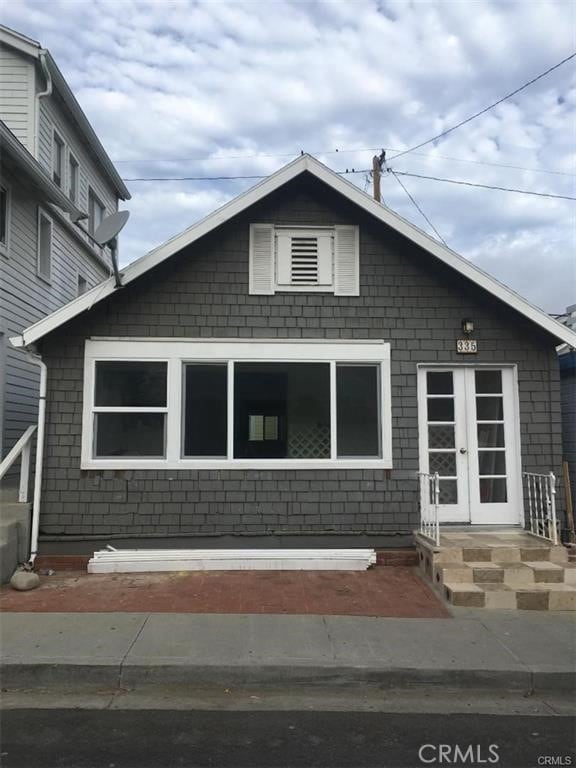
(441, 433)
(444, 433)
(492, 482)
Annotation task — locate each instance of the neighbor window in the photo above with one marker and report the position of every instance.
(232, 404)
(73, 179)
(44, 255)
(96, 212)
(57, 159)
(4, 219)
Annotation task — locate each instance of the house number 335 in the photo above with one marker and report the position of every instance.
(466, 346)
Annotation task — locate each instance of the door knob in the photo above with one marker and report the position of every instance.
(462, 450)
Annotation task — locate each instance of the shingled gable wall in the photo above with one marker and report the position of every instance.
(406, 297)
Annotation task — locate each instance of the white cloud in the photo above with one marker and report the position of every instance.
(178, 87)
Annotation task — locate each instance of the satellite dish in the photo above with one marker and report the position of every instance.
(106, 234)
(110, 227)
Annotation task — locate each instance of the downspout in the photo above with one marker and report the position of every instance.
(41, 95)
(37, 360)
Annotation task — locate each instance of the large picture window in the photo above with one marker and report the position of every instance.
(256, 404)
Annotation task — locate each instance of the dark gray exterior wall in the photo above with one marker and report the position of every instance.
(406, 297)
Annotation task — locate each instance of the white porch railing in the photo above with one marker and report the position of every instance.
(541, 493)
(429, 501)
(24, 448)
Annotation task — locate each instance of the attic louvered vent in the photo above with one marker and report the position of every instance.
(304, 261)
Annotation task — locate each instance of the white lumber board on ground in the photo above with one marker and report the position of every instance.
(156, 560)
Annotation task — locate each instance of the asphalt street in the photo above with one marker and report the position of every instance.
(68, 738)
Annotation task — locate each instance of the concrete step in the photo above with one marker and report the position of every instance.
(537, 597)
(14, 537)
(514, 574)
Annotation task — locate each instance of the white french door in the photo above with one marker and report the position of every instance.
(468, 434)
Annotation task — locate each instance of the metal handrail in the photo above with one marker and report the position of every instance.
(541, 493)
(429, 501)
(23, 447)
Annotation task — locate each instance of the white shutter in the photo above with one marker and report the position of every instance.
(346, 262)
(261, 259)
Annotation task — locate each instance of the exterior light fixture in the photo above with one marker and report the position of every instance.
(467, 326)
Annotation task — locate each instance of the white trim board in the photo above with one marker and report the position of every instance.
(158, 560)
(303, 164)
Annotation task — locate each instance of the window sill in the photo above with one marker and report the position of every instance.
(44, 278)
(244, 464)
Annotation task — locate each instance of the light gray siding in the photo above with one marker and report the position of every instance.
(53, 117)
(17, 108)
(25, 297)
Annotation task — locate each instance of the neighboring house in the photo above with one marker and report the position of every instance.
(56, 182)
(283, 370)
(567, 358)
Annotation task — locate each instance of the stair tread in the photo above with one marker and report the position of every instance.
(462, 586)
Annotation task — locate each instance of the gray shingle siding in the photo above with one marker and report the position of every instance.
(406, 297)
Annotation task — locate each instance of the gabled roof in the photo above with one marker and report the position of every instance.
(33, 48)
(303, 164)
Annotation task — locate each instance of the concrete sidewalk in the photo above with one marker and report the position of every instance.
(480, 649)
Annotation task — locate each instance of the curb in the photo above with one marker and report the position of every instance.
(16, 675)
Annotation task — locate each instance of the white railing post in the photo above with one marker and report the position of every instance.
(552, 509)
(24, 473)
(429, 501)
(436, 503)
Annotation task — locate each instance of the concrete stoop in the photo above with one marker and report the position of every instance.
(502, 570)
(14, 537)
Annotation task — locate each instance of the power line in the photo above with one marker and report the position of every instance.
(493, 165)
(486, 109)
(418, 208)
(222, 178)
(354, 171)
(194, 178)
(485, 186)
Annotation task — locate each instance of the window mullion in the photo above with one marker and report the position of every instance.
(230, 411)
(333, 414)
(174, 405)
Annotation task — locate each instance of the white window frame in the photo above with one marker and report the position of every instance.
(73, 172)
(178, 352)
(47, 277)
(92, 195)
(57, 139)
(5, 244)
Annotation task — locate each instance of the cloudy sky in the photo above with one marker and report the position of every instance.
(239, 88)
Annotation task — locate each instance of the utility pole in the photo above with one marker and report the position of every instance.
(377, 163)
